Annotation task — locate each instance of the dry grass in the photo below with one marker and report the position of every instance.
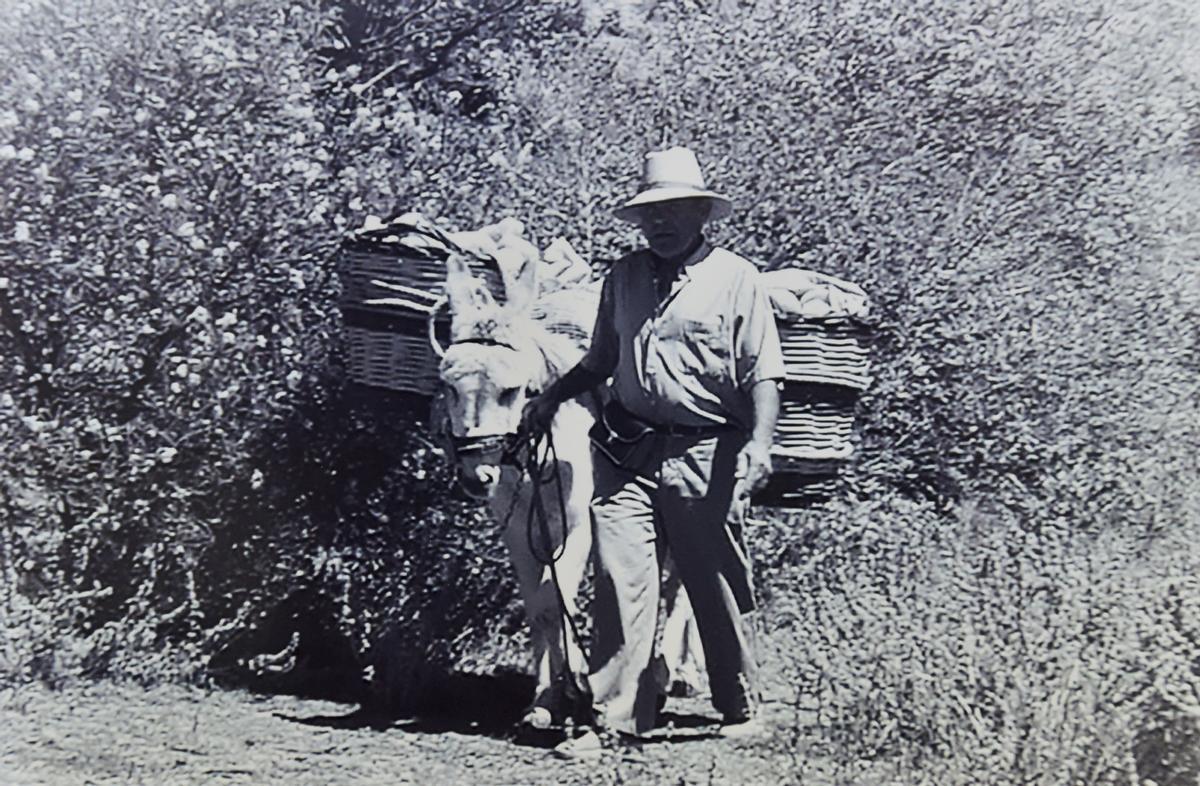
(973, 650)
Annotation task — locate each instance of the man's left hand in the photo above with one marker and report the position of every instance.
(753, 467)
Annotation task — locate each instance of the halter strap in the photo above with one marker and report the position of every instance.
(485, 341)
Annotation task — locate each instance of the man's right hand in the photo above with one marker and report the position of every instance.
(753, 467)
(538, 415)
(539, 410)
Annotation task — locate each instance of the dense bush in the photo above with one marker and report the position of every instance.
(162, 305)
(1004, 585)
(179, 449)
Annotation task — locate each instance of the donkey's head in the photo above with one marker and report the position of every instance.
(492, 366)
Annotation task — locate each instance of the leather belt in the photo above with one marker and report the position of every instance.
(667, 429)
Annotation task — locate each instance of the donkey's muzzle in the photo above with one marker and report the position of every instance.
(477, 485)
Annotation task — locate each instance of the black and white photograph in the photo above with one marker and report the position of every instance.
(571, 392)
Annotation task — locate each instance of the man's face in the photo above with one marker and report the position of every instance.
(671, 227)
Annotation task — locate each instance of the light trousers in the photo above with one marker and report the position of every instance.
(688, 507)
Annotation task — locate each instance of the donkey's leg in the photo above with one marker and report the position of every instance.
(573, 450)
(570, 663)
(511, 500)
(550, 595)
(564, 539)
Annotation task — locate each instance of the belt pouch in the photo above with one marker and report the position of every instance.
(626, 441)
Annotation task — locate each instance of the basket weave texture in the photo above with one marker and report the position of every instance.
(390, 360)
(387, 345)
(826, 363)
(828, 351)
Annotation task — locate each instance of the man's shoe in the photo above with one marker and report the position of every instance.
(592, 743)
(750, 728)
(584, 747)
(681, 690)
(687, 681)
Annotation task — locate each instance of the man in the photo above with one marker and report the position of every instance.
(686, 334)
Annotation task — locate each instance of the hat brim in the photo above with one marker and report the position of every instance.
(721, 205)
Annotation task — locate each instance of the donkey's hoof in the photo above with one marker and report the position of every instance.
(538, 718)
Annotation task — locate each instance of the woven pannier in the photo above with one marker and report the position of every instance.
(826, 362)
(392, 354)
(388, 344)
(826, 351)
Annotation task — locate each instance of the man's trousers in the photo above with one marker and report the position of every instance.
(688, 507)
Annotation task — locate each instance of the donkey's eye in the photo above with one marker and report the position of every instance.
(509, 395)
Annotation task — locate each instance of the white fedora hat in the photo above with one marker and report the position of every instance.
(673, 174)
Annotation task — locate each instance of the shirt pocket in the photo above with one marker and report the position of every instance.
(701, 346)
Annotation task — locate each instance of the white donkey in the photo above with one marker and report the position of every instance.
(498, 357)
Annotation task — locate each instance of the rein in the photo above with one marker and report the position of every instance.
(540, 473)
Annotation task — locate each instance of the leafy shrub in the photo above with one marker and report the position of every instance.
(180, 452)
(1001, 591)
(162, 305)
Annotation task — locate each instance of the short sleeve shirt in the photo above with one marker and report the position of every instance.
(691, 359)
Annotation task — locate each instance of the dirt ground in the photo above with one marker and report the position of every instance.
(120, 734)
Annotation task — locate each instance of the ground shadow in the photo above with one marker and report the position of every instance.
(492, 705)
(683, 720)
(479, 704)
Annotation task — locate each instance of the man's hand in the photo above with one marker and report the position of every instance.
(539, 410)
(753, 467)
(538, 415)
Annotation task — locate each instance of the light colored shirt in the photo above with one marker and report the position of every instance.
(691, 359)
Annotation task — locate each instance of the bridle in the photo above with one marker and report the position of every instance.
(508, 443)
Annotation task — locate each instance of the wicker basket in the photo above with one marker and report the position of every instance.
(806, 468)
(790, 490)
(391, 360)
(816, 418)
(826, 363)
(818, 427)
(388, 344)
(368, 259)
(832, 351)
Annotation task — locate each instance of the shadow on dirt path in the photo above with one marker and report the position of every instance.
(491, 706)
(474, 704)
(462, 734)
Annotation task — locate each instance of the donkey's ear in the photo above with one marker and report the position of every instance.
(464, 291)
(520, 272)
